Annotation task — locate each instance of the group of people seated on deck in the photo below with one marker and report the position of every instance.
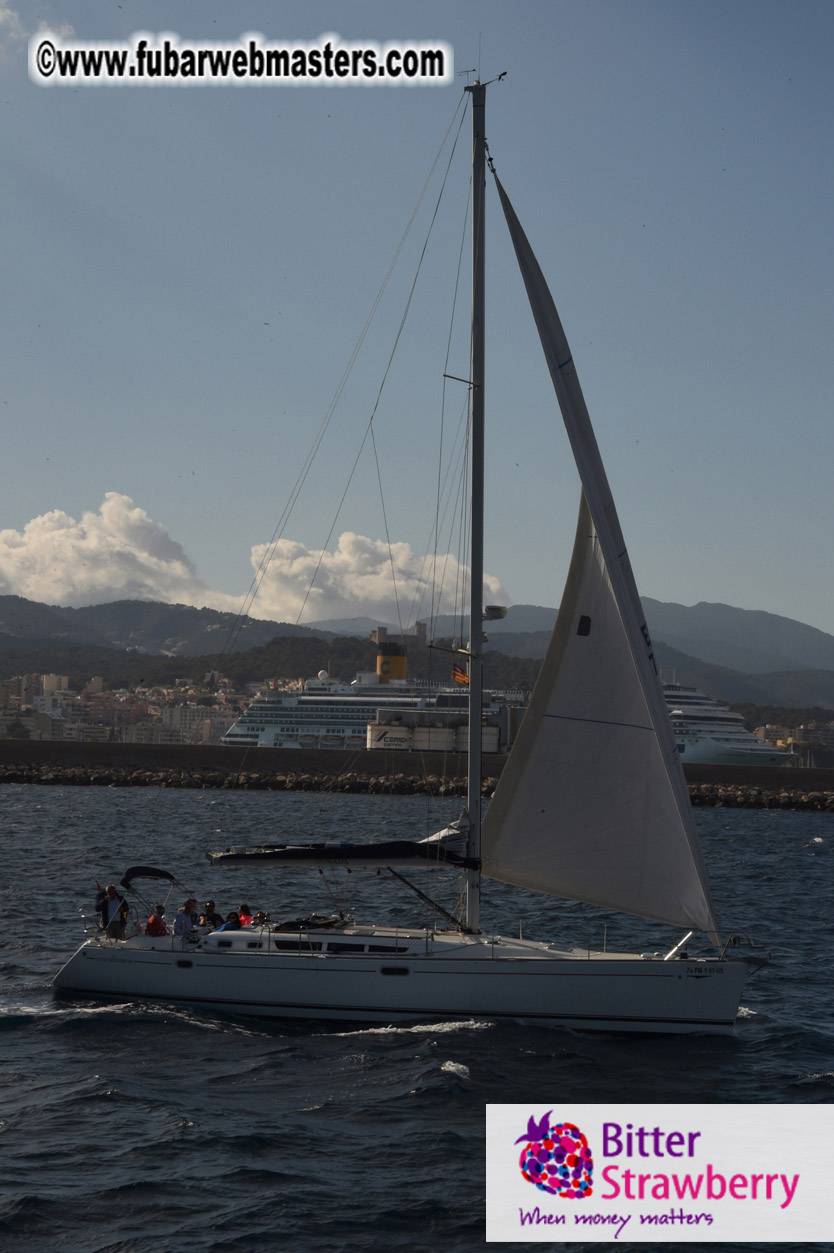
(189, 920)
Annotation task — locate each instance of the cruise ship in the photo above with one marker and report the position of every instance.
(379, 709)
(708, 733)
(384, 709)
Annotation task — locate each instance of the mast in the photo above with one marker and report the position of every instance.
(476, 564)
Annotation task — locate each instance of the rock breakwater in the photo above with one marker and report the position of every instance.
(717, 795)
(245, 780)
(724, 796)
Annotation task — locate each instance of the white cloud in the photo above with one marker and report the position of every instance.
(13, 31)
(120, 553)
(117, 553)
(356, 579)
(11, 27)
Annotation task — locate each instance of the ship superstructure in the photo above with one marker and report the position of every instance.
(376, 710)
(708, 733)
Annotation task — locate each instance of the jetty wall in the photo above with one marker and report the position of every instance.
(368, 771)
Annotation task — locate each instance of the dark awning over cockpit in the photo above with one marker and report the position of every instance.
(144, 872)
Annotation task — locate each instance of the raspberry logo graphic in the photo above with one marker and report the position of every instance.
(556, 1158)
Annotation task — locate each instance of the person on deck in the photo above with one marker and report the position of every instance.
(211, 915)
(113, 910)
(184, 921)
(245, 915)
(232, 922)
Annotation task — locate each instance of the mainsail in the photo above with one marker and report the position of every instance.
(592, 804)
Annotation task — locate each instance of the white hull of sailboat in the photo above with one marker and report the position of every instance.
(449, 976)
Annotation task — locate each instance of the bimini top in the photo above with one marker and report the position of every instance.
(144, 872)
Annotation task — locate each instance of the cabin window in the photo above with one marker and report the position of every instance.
(386, 948)
(346, 948)
(393, 970)
(224, 943)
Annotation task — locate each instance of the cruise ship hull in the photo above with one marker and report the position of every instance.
(709, 752)
(449, 976)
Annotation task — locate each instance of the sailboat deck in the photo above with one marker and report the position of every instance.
(371, 942)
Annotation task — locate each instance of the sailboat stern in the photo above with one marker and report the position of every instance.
(631, 992)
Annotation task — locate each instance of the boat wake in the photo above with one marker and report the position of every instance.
(421, 1029)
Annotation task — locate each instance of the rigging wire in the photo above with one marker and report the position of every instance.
(455, 474)
(269, 550)
(462, 571)
(369, 432)
(435, 584)
(431, 546)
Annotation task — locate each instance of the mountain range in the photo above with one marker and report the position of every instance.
(138, 626)
(748, 640)
(738, 655)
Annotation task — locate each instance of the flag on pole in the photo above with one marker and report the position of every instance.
(459, 674)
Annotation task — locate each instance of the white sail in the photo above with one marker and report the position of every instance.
(592, 804)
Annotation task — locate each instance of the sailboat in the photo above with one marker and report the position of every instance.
(591, 806)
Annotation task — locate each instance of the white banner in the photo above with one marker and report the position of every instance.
(659, 1173)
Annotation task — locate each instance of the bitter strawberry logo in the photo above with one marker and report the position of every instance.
(556, 1158)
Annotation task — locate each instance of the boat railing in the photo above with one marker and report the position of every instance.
(89, 925)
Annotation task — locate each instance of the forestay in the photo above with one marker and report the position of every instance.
(592, 804)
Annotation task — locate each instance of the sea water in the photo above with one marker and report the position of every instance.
(132, 1127)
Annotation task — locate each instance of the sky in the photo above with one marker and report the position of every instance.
(186, 271)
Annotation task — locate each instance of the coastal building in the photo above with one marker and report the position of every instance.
(52, 683)
(815, 733)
